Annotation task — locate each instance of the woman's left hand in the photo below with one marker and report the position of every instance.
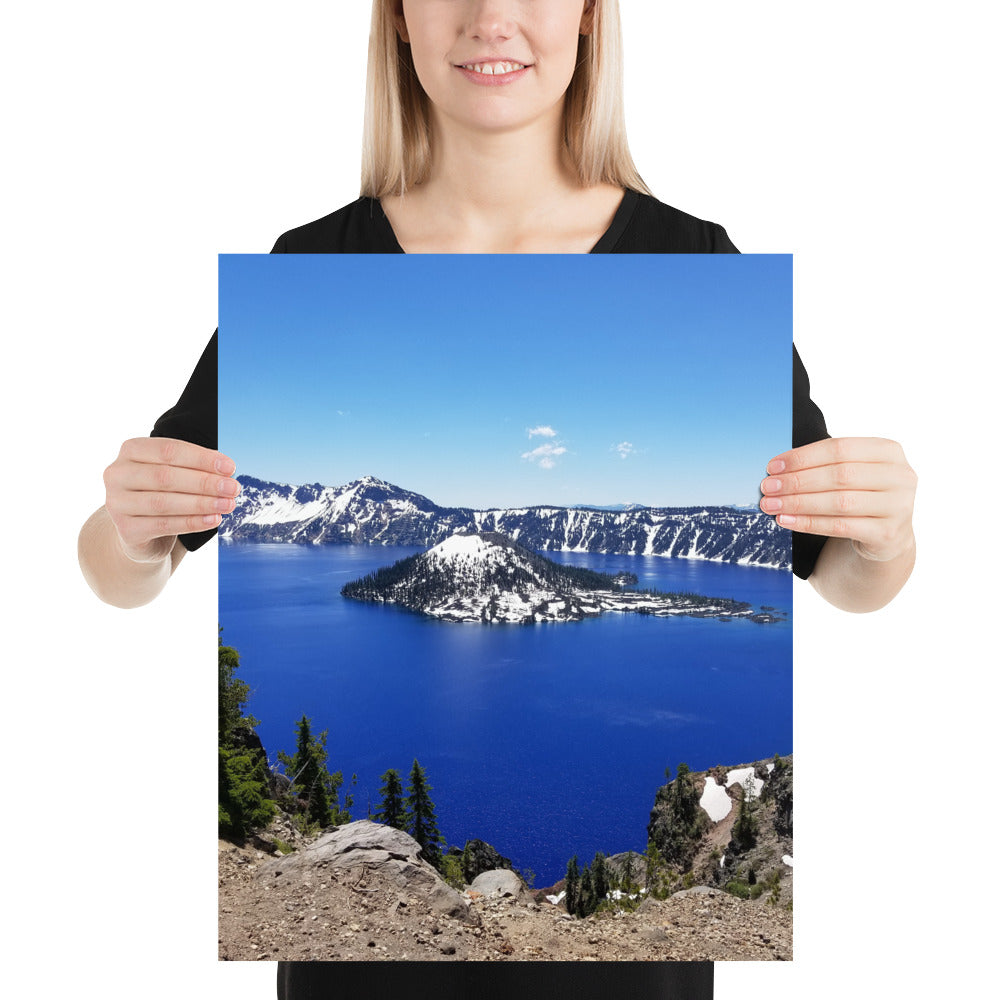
(860, 489)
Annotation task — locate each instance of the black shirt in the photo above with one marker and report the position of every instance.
(641, 225)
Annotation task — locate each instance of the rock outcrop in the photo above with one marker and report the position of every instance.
(380, 849)
(502, 883)
(479, 857)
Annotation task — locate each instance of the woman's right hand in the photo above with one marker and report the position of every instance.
(159, 488)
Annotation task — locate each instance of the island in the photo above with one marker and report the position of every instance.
(486, 577)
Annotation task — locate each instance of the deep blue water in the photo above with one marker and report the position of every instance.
(546, 740)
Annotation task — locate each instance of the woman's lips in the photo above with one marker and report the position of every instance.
(493, 73)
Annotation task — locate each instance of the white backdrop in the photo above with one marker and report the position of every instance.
(144, 139)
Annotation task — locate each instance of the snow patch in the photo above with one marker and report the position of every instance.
(739, 775)
(715, 801)
(457, 546)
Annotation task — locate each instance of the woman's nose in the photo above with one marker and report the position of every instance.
(491, 20)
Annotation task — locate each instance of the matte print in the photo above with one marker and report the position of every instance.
(505, 660)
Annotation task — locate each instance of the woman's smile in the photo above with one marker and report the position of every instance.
(492, 73)
(496, 44)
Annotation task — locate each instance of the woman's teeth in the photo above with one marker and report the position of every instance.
(493, 69)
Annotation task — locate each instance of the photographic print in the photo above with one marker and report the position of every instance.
(505, 652)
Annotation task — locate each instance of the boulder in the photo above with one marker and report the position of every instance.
(501, 882)
(385, 852)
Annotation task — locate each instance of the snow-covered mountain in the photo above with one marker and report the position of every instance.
(372, 512)
(486, 577)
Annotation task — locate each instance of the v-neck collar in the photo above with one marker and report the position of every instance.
(605, 244)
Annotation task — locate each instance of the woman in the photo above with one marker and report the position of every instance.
(497, 127)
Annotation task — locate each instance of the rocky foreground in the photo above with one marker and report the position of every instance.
(362, 892)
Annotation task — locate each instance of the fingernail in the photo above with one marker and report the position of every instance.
(210, 520)
(223, 505)
(225, 466)
(770, 486)
(229, 487)
(775, 466)
(771, 504)
(786, 520)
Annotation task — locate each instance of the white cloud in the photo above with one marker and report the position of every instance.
(545, 455)
(625, 448)
(543, 430)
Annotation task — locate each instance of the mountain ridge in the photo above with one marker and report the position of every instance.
(371, 511)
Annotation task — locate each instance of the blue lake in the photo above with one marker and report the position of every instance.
(546, 740)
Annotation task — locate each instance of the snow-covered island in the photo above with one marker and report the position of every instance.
(486, 577)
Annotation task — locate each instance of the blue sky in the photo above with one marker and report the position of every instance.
(489, 380)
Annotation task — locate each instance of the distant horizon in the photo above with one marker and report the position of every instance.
(510, 380)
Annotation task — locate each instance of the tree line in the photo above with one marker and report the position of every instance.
(249, 794)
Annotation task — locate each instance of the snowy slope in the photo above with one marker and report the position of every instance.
(370, 511)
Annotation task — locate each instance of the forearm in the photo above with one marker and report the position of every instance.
(852, 583)
(112, 575)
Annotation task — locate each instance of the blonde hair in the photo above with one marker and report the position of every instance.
(396, 146)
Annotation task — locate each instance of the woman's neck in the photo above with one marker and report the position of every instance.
(507, 192)
(499, 174)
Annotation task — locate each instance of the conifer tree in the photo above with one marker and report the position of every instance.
(653, 867)
(600, 873)
(233, 695)
(392, 811)
(310, 777)
(244, 795)
(572, 884)
(745, 827)
(685, 800)
(677, 821)
(420, 817)
(244, 803)
(587, 902)
(628, 875)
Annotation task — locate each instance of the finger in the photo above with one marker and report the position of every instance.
(834, 451)
(142, 477)
(161, 504)
(875, 538)
(843, 503)
(181, 454)
(866, 530)
(847, 476)
(137, 531)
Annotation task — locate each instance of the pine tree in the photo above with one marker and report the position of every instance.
(420, 818)
(628, 876)
(685, 799)
(588, 901)
(233, 695)
(572, 884)
(677, 822)
(600, 872)
(653, 867)
(392, 811)
(311, 779)
(244, 804)
(244, 795)
(745, 827)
